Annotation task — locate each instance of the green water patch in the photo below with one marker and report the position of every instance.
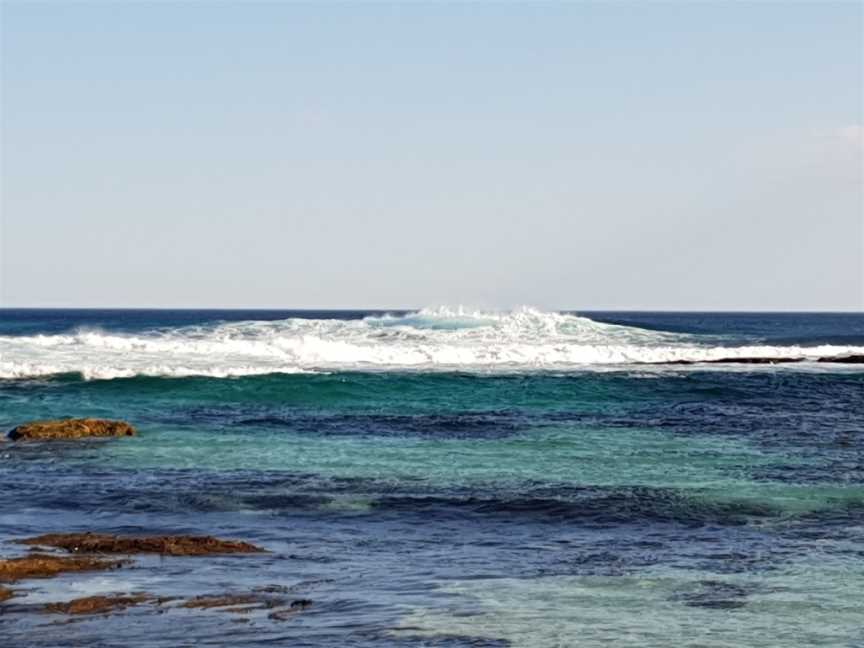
(541, 462)
(805, 604)
(398, 391)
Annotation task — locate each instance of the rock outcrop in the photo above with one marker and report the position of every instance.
(246, 603)
(850, 359)
(99, 543)
(70, 429)
(91, 549)
(229, 602)
(285, 614)
(97, 604)
(46, 566)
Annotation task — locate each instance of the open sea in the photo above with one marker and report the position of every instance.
(449, 478)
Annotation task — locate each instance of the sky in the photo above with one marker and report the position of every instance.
(675, 156)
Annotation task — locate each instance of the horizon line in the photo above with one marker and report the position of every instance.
(308, 309)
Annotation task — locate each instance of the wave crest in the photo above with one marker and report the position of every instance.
(432, 339)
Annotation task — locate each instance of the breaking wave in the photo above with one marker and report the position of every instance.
(441, 339)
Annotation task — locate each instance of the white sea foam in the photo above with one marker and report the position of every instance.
(441, 339)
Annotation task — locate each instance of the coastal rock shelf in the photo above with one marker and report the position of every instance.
(166, 545)
(39, 565)
(70, 429)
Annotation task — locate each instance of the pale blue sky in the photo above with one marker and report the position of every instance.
(562, 155)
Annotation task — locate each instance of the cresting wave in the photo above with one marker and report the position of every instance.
(442, 339)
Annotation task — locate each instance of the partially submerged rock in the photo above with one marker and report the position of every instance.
(286, 613)
(46, 566)
(70, 429)
(222, 601)
(98, 604)
(767, 360)
(849, 359)
(167, 545)
(735, 360)
(242, 603)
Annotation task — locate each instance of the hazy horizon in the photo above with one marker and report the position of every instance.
(405, 309)
(659, 157)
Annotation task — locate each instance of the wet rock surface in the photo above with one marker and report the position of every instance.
(47, 566)
(246, 603)
(238, 603)
(758, 360)
(98, 604)
(286, 613)
(40, 565)
(227, 601)
(850, 359)
(98, 543)
(70, 429)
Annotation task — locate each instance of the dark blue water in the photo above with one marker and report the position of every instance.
(448, 478)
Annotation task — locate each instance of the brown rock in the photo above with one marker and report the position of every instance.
(5, 594)
(70, 429)
(166, 545)
(45, 566)
(97, 604)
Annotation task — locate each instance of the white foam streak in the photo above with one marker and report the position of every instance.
(438, 339)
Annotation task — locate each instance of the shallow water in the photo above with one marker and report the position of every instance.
(448, 478)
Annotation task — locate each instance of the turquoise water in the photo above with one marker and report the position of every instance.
(507, 497)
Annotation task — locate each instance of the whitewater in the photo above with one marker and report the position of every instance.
(434, 339)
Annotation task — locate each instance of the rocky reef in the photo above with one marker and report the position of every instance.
(180, 545)
(98, 604)
(70, 429)
(90, 549)
(47, 566)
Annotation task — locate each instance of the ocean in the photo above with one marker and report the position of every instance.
(448, 477)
